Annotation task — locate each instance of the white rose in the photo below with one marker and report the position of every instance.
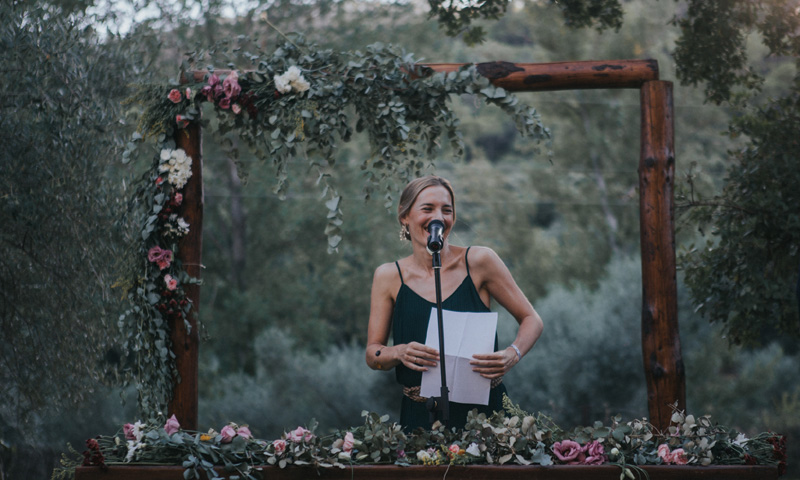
(293, 73)
(165, 154)
(282, 84)
(300, 85)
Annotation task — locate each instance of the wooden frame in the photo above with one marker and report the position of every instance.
(661, 350)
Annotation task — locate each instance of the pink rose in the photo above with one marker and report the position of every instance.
(231, 85)
(664, 453)
(279, 446)
(172, 425)
(171, 282)
(567, 451)
(236, 108)
(595, 454)
(154, 254)
(300, 434)
(127, 429)
(175, 96)
(244, 432)
(349, 441)
(181, 121)
(227, 434)
(678, 457)
(177, 199)
(454, 449)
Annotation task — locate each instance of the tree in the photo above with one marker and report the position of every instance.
(61, 134)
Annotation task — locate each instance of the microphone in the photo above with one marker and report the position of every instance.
(435, 240)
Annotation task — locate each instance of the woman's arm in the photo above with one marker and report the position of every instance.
(490, 274)
(415, 356)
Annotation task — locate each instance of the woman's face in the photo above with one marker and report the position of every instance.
(432, 203)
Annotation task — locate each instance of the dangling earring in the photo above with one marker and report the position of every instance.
(405, 234)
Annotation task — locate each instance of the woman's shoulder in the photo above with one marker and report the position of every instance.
(479, 256)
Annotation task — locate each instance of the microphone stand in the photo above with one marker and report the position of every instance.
(439, 406)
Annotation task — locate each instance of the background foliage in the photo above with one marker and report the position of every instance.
(284, 318)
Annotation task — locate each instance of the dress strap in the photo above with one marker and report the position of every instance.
(401, 273)
(465, 259)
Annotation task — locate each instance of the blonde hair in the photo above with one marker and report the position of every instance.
(412, 191)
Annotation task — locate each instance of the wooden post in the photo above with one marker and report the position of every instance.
(661, 346)
(185, 343)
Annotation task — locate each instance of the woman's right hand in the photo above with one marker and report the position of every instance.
(417, 356)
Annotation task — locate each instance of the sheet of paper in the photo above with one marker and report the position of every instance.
(465, 334)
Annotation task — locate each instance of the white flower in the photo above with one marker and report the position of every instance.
(132, 447)
(422, 455)
(293, 73)
(741, 439)
(473, 449)
(300, 85)
(183, 226)
(282, 84)
(138, 430)
(165, 154)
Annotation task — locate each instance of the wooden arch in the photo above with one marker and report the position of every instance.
(663, 364)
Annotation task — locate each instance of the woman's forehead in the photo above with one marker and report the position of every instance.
(434, 194)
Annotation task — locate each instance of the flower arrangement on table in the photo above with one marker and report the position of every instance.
(512, 437)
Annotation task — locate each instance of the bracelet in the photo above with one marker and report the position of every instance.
(516, 349)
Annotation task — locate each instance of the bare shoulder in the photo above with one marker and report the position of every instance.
(483, 258)
(386, 278)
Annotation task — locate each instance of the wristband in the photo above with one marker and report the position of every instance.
(516, 349)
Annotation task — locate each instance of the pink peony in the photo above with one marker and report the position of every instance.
(300, 434)
(231, 85)
(227, 434)
(244, 432)
(595, 454)
(171, 282)
(678, 457)
(567, 451)
(172, 425)
(279, 446)
(175, 96)
(349, 441)
(664, 453)
(127, 429)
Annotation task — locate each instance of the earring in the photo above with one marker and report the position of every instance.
(405, 234)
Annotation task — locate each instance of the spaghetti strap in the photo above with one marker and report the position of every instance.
(401, 273)
(465, 259)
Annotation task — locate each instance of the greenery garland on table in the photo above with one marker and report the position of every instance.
(511, 437)
(295, 103)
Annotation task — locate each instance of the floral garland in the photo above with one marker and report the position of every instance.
(504, 438)
(294, 97)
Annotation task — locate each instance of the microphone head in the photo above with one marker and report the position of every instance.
(435, 240)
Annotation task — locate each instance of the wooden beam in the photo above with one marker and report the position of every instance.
(661, 345)
(185, 343)
(537, 77)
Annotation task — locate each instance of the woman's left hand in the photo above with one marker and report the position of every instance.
(494, 365)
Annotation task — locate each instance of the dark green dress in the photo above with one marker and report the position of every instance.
(410, 324)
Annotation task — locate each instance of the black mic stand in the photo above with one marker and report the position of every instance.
(439, 406)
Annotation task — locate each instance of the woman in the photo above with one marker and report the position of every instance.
(403, 293)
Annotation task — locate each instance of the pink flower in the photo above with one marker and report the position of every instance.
(127, 429)
(595, 453)
(454, 449)
(154, 254)
(224, 103)
(678, 457)
(172, 425)
(349, 441)
(567, 451)
(664, 453)
(171, 282)
(300, 434)
(175, 96)
(188, 93)
(244, 432)
(177, 199)
(231, 85)
(181, 121)
(159, 181)
(236, 108)
(279, 446)
(227, 434)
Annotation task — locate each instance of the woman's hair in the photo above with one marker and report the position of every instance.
(413, 189)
